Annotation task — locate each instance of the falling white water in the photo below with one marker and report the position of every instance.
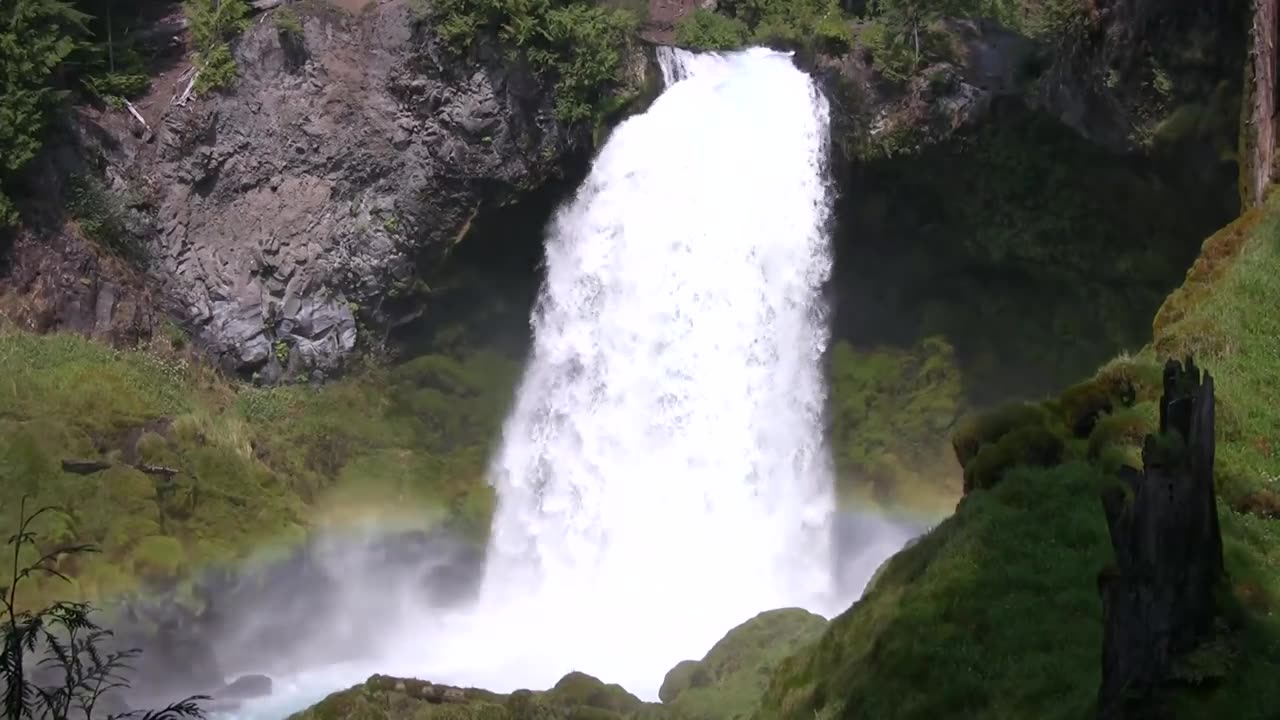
(662, 475)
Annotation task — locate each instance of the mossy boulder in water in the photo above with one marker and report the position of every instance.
(577, 696)
(729, 681)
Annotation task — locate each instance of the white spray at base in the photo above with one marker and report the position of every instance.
(662, 475)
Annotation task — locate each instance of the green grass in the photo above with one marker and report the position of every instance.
(252, 467)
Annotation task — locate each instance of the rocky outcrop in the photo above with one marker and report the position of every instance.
(294, 211)
(577, 696)
(60, 282)
(1158, 601)
(875, 116)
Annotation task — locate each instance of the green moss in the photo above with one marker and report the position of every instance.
(158, 557)
(577, 696)
(251, 466)
(989, 427)
(728, 682)
(993, 614)
(1125, 429)
(996, 612)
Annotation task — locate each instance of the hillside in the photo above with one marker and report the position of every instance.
(996, 610)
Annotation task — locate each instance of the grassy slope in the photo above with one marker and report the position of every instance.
(995, 612)
(255, 466)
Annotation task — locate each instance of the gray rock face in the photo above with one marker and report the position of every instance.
(304, 197)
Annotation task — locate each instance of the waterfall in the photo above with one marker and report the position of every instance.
(662, 475)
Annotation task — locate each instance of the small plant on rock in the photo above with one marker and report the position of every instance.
(288, 23)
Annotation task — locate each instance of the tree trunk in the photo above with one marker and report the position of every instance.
(1157, 602)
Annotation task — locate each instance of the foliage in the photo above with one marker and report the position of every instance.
(36, 36)
(65, 644)
(103, 216)
(574, 42)
(891, 412)
(811, 25)
(287, 21)
(706, 30)
(214, 23)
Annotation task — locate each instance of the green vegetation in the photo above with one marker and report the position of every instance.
(60, 643)
(214, 23)
(728, 682)
(994, 614)
(804, 24)
(287, 22)
(576, 696)
(36, 36)
(996, 611)
(199, 471)
(102, 216)
(890, 416)
(575, 43)
(710, 31)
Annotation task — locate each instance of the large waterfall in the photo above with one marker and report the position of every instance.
(662, 475)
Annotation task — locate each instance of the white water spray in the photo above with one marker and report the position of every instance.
(663, 476)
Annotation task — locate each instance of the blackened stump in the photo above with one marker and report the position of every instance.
(1158, 602)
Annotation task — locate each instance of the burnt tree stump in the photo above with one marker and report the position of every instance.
(1158, 600)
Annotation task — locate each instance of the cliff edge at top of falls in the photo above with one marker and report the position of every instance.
(278, 216)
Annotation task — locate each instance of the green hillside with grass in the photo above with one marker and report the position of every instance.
(168, 467)
(996, 611)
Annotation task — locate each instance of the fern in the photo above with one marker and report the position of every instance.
(64, 641)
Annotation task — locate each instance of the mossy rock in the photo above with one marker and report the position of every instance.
(989, 427)
(729, 681)
(1029, 445)
(686, 674)
(577, 696)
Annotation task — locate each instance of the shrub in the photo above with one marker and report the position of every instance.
(1029, 445)
(63, 641)
(287, 22)
(991, 426)
(214, 23)
(36, 36)
(705, 30)
(573, 42)
(1126, 428)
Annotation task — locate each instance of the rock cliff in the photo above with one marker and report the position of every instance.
(285, 217)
